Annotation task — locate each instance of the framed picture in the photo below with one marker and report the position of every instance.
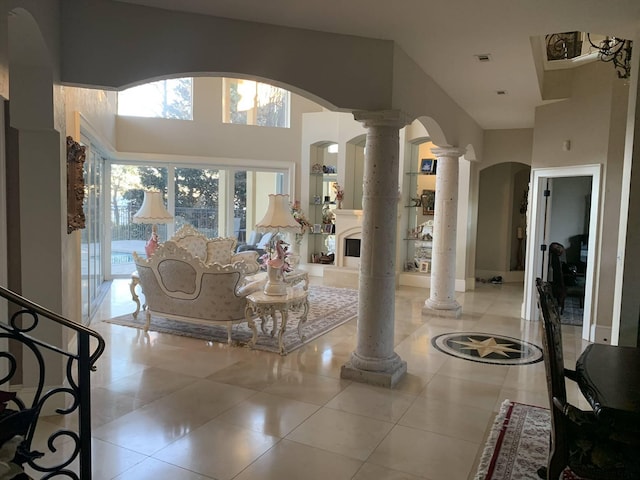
(428, 200)
(76, 157)
(428, 166)
(317, 228)
(327, 228)
(424, 267)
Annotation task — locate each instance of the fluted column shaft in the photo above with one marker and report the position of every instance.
(442, 299)
(374, 360)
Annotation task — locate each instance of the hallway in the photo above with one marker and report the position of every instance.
(168, 407)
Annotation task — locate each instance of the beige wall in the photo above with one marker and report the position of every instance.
(93, 110)
(594, 121)
(511, 145)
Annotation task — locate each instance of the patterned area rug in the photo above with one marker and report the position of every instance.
(518, 444)
(329, 308)
(573, 312)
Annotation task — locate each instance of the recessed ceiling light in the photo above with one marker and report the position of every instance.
(501, 92)
(483, 57)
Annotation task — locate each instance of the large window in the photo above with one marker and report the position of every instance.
(171, 98)
(216, 201)
(253, 103)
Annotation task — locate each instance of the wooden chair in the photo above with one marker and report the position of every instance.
(558, 287)
(589, 447)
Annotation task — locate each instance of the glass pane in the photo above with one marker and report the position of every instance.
(171, 98)
(91, 235)
(251, 103)
(197, 199)
(240, 206)
(128, 184)
(273, 104)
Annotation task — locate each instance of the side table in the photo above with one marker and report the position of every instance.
(262, 305)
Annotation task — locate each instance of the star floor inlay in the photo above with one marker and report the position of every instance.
(488, 348)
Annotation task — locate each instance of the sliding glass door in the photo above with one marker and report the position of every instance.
(216, 201)
(92, 273)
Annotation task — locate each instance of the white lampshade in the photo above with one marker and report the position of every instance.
(278, 217)
(152, 210)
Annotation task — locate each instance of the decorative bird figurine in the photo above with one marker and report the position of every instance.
(279, 261)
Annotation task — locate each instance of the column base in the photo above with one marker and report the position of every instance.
(450, 310)
(388, 378)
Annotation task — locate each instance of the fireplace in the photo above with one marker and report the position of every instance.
(348, 238)
(352, 247)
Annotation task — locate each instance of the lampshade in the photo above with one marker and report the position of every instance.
(152, 210)
(278, 217)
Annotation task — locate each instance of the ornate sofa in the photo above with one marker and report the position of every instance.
(180, 286)
(214, 250)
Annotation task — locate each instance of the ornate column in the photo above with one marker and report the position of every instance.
(442, 300)
(374, 360)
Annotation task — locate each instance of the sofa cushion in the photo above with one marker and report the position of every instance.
(219, 250)
(263, 244)
(196, 245)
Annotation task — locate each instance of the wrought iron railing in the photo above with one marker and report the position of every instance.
(29, 356)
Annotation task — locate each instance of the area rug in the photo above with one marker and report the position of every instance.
(518, 444)
(329, 307)
(573, 312)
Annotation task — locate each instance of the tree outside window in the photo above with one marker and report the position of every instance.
(254, 103)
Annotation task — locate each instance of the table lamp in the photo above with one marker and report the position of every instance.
(152, 211)
(277, 219)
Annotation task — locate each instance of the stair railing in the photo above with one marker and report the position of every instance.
(19, 417)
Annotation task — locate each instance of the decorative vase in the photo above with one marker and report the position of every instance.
(275, 282)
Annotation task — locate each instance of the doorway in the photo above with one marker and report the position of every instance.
(540, 227)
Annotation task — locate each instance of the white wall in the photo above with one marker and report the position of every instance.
(594, 121)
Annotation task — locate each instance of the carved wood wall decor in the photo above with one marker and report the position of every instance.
(75, 185)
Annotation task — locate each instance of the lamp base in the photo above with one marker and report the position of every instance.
(151, 245)
(275, 282)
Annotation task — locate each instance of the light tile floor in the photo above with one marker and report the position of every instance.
(177, 408)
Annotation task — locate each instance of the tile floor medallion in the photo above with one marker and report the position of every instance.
(488, 348)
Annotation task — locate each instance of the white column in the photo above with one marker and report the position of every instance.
(374, 360)
(442, 299)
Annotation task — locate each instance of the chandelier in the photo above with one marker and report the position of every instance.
(615, 50)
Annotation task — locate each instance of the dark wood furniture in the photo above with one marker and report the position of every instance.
(609, 377)
(580, 440)
(558, 287)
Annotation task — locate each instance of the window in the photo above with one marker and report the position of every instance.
(171, 98)
(216, 201)
(252, 103)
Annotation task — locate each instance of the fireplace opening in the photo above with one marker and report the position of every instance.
(352, 247)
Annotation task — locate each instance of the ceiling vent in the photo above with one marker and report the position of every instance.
(483, 57)
(501, 92)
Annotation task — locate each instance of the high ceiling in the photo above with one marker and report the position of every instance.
(445, 36)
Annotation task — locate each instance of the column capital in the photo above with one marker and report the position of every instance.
(448, 151)
(383, 118)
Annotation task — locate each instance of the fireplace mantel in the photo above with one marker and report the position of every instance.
(348, 225)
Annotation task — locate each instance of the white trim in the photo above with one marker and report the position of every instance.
(534, 256)
(210, 162)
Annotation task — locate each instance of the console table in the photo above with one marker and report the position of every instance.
(262, 305)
